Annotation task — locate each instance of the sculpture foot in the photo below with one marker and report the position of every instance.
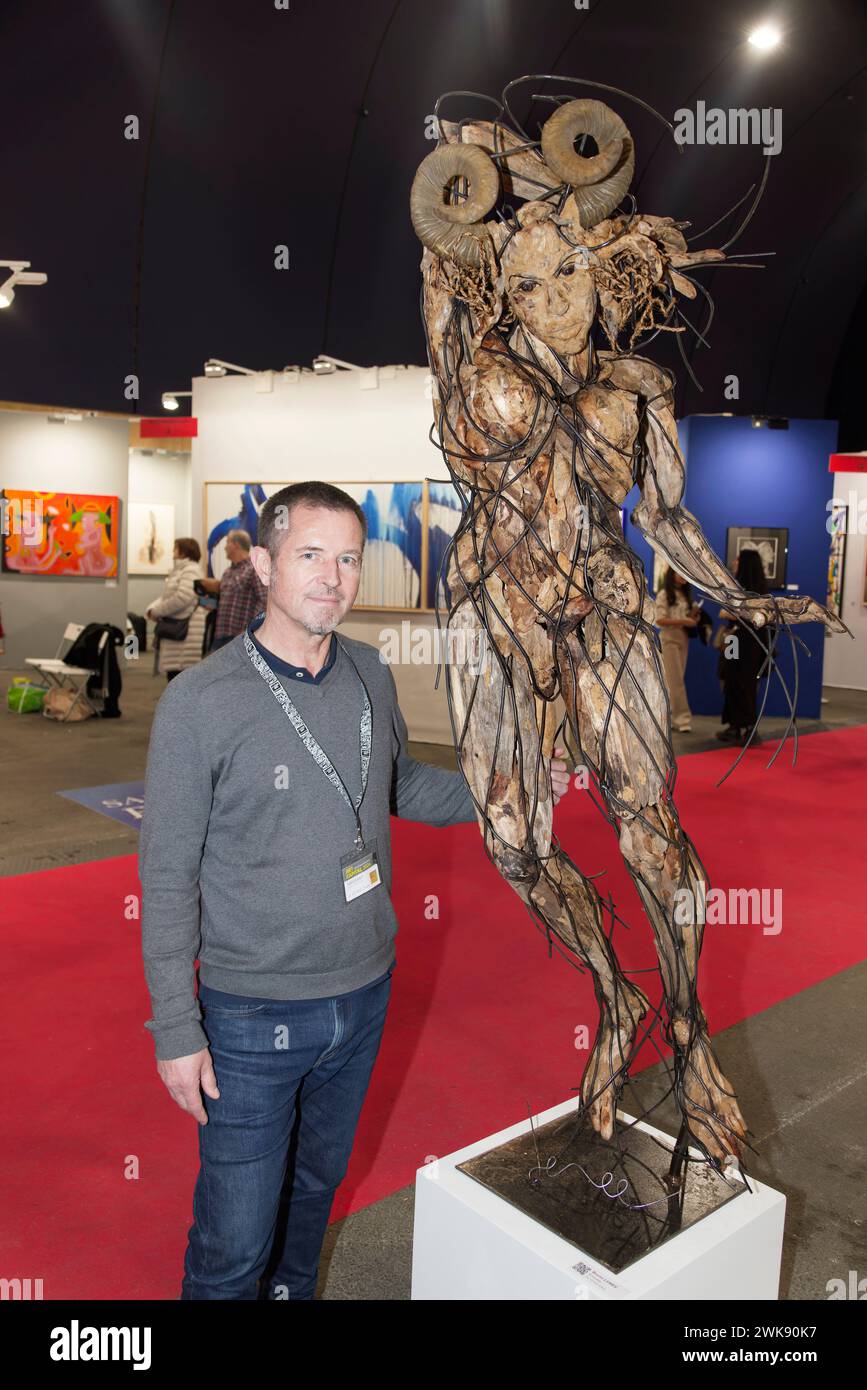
(709, 1104)
(605, 1072)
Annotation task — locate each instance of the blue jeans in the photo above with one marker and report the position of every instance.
(266, 1182)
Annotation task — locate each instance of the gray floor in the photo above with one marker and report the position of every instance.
(800, 1066)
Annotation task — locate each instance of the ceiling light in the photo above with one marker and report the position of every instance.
(215, 366)
(324, 364)
(765, 37)
(20, 276)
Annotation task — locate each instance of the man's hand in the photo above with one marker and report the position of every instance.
(183, 1078)
(559, 775)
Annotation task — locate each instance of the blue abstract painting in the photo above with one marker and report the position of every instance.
(443, 518)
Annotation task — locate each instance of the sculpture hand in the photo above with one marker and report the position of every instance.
(559, 775)
(793, 610)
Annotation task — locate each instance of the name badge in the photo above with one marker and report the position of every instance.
(360, 872)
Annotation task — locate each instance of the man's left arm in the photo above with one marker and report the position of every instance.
(435, 795)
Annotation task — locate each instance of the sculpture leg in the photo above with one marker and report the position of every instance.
(616, 704)
(498, 740)
(663, 863)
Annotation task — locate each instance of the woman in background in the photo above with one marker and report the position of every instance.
(675, 614)
(180, 600)
(743, 652)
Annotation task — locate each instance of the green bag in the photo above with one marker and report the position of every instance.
(24, 697)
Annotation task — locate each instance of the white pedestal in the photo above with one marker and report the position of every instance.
(471, 1244)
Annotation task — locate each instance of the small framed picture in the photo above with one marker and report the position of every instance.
(771, 542)
(837, 525)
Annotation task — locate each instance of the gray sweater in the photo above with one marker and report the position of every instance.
(242, 836)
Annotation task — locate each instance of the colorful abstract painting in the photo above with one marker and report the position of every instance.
(837, 527)
(72, 534)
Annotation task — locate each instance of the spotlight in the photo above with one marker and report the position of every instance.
(322, 365)
(757, 422)
(767, 36)
(20, 276)
(215, 366)
(170, 402)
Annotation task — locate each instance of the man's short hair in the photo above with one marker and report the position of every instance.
(241, 538)
(275, 518)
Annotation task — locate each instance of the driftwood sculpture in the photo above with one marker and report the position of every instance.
(546, 417)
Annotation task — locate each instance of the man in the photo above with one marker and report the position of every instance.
(241, 591)
(272, 770)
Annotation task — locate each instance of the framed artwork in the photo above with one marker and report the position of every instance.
(394, 555)
(837, 519)
(771, 542)
(231, 507)
(150, 537)
(392, 571)
(63, 534)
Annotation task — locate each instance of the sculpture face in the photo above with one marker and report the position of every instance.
(548, 288)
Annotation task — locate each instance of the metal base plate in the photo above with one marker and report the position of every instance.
(610, 1199)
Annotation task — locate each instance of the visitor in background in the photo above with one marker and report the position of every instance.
(179, 644)
(242, 595)
(743, 651)
(675, 614)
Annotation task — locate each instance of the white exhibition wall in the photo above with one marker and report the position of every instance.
(369, 426)
(88, 455)
(845, 659)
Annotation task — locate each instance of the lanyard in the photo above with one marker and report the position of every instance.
(306, 737)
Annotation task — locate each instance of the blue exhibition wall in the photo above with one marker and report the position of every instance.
(740, 475)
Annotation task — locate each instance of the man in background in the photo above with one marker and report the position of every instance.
(241, 593)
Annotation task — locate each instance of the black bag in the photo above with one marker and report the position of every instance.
(172, 629)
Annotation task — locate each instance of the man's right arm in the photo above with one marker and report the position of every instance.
(177, 808)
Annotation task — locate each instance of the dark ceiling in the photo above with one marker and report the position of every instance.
(304, 126)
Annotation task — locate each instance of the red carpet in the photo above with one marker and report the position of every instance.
(99, 1164)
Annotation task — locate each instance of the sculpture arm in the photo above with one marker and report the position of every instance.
(676, 535)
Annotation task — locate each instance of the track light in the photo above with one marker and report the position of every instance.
(171, 399)
(20, 276)
(322, 365)
(215, 366)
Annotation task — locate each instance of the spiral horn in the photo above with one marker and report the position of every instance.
(455, 231)
(599, 183)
